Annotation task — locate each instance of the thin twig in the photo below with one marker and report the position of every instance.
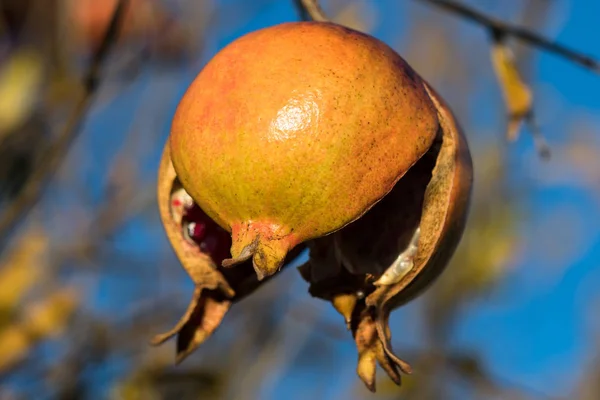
(518, 32)
(28, 197)
(312, 9)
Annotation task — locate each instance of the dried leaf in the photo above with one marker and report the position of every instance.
(517, 95)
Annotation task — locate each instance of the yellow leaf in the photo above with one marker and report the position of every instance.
(22, 267)
(48, 317)
(20, 78)
(14, 346)
(42, 320)
(517, 95)
(135, 389)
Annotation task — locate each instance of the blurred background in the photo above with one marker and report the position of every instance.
(87, 276)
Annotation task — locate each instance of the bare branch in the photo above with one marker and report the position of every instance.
(523, 34)
(28, 197)
(313, 9)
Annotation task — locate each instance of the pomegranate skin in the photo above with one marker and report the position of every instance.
(293, 131)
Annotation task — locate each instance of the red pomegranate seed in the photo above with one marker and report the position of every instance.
(207, 234)
(197, 231)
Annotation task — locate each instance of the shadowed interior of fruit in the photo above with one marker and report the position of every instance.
(393, 221)
(205, 233)
(344, 266)
(198, 228)
(368, 246)
(215, 241)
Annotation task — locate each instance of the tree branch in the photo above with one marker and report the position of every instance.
(312, 9)
(30, 194)
(502, 28)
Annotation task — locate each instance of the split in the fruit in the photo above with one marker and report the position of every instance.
(396, 249)
(200, 245)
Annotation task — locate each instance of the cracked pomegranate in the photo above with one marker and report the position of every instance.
(312, 133)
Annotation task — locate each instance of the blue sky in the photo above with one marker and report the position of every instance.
(535, 330)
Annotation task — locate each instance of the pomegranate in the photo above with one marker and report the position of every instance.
(313, 133)
(293, 131)
(143, 21)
